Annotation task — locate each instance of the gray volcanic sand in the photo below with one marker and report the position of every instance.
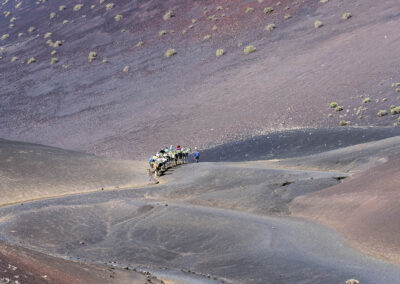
(192, 98)
(32, 171)
(198, 219)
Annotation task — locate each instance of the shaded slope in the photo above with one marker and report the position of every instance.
(31, 171)
(19, 265)
(364, 209)
(192, 98)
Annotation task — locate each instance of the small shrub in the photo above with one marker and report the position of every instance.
(92, 56)
(278, 3)
(11, 26)
(126, 69)
(47, 35)
(249, 10)
(92, 6)
(219, 8)
(206, 37)
(219, 52)
(65, 22)
(395, 110)
(194, 21)
(101, 1)
(384, 100)
(20, 34)
(5, 36)
(139, 44)
(77, 7)
(268, 10)
(270, 27)
(287, 16)
(118, 17)
(123, 30)
(31, 29)
(382, 113)
(52, 15)
(318, 24)
(31, 60)
(240, 44)
(62, 8)
(338, 108)
(324, 1)
(333, 104)
(14, 58)
(397, 90)
(13, 19)
(344, 123)
(53, 52)
(53, 60)
(18, 5)
(392, 106)
(161, 33)
(260, 1)
(170, 52)
(214, 28)
(190, 26)
(7, 13)
(57, 43)
(249, 49)
(110, 6)
(168, 15)
(105, 60)
(346, 16)
(366, 100)
(183, 32)
(213, 18)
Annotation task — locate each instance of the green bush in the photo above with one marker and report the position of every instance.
(346, 16)
(62, 8)
(77, 7)
(338, 108)
(110, 6)
(333, 104)
(53, 60)
(249, 49)
(395, 110)
(206, 37)
(366, 100)
(270, 27)
(287, 16)
(382, 113)
(344, 123)
(170, 52)
(220, 52)
(126, 69)
(118, 17)
(168, 15)
(14, 58)
(92, 56)
(268, 10)
(249, 10)
(318, 24)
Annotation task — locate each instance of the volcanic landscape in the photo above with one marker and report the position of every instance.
(293, 105)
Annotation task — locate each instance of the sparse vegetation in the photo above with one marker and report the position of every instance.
(31, 60)
(65, 22)
(77, 7)
(220, 52)
(206, 37)
(170, 52)
(118, 17)
(126, 69)
(163, 32)
(13, 19)
(214, 28)
(344, 123)
(338, 108)
(31, 29)
(14, 58)
(11, 26)
(110, 6)
(219, 8)
(47, 35)
(318, 24)
(382, 113)
(5, 36)
(53, 52)
(333, 104)
(92, 56)
(52, 15)
(92, 6)
(249, 10)
(20, 34)
(18, 5)
(268, 10)
(62, 8)
(57, 43)
(249, 49)
(346, 16)
(324, 1)
(105, 60)
(53, 60)
(397, 90)
(366, 100)
(213, 18)
(270, 27)
(139, 44)
(287, 16)
(168, 15)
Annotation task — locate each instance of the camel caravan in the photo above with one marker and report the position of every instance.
(170, 157)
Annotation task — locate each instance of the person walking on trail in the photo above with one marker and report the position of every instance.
(197, 155)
